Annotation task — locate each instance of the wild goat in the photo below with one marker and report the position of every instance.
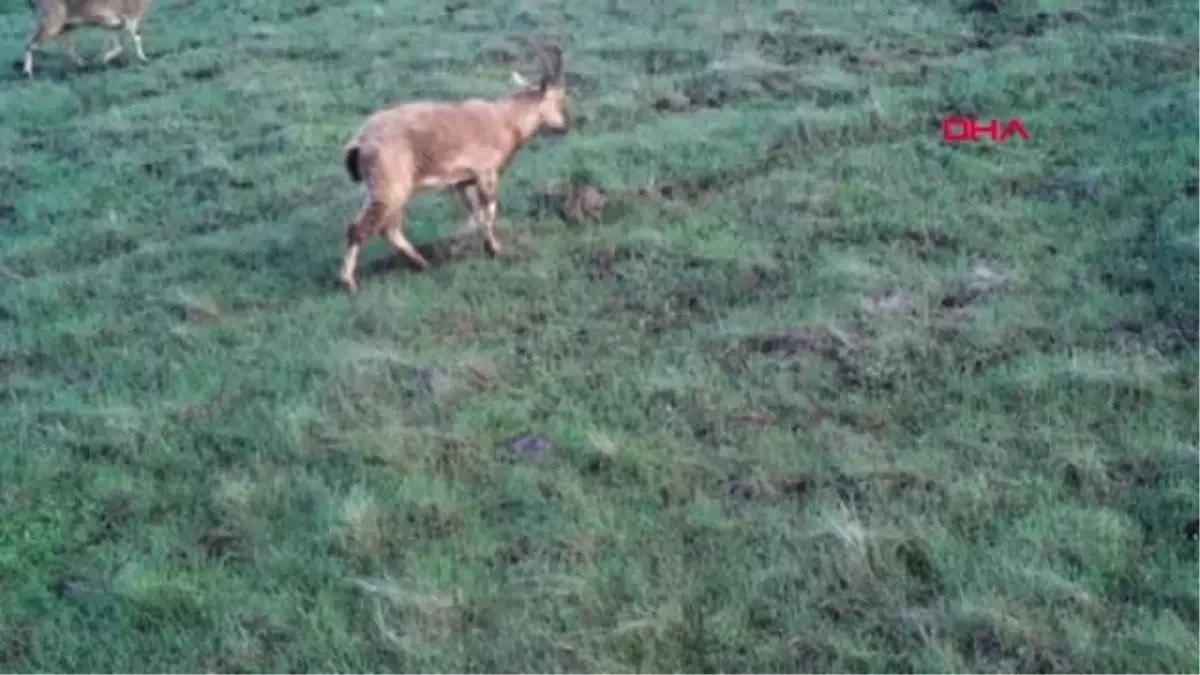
(62, 17)
(462, 145)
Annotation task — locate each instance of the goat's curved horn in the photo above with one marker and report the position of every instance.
(552, 62)
(544, 59)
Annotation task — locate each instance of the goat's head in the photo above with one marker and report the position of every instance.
(549, 94)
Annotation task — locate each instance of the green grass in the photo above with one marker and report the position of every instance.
(825, 393)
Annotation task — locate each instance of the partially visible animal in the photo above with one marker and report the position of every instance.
(460, 145)
(61, 17)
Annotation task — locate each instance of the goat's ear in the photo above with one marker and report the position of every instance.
(519, 80)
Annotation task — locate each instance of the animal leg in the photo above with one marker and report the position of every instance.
(101, 14)
(468, 196)
(69, 39)
(486, 188)
(374, 212)
(51, 21)
(36, 43)
(396, 237)
(133, 26)
(114, 50)
(394, 231)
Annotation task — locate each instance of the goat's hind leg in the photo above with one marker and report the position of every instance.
(377, 217)
(394, 232)
(362, 227)
(44, 31)
(35, 43)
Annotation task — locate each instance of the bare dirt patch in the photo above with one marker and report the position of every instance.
(575, 204)
(17, 640)
(720, 88)
(790, 46)
(203, 73)
(112, 520)
(659, 60)
(668, 291)
(225, 544)
(925, 244)
(984, 639)
(1076, 188)
(995, 24)
(530, 447)
(982, 279)
(845, 487)
(444, 250)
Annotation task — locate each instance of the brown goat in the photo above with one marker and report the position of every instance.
(461, 145)
(62, 17)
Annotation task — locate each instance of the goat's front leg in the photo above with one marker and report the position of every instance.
(372, 218)
(133, 27)
(467, 195)
(114, 50)
(486, 185)
(69, 42)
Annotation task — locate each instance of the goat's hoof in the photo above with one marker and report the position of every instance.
(493, 248)
(348, 283)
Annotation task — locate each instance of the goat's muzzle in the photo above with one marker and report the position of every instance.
(559, 131)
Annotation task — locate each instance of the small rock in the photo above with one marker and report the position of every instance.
(889, 304)
(1076, 188)
(1072, 477)
(982, 6)
(672, 101)
(530, 446)
(587, 203)
(984, 279)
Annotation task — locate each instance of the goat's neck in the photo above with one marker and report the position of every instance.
(522, 115)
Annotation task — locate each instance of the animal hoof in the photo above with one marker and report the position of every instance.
(493, 248)
(348, 284)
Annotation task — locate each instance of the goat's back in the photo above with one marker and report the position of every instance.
(439, 142)
(126, 8)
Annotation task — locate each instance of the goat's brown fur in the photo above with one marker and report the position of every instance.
(61, 17)
(461, 145)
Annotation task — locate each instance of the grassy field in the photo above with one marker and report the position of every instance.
(768, 377)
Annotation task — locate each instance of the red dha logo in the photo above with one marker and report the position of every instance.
(958, 129)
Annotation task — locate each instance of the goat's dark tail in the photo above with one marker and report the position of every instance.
(352, 164)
